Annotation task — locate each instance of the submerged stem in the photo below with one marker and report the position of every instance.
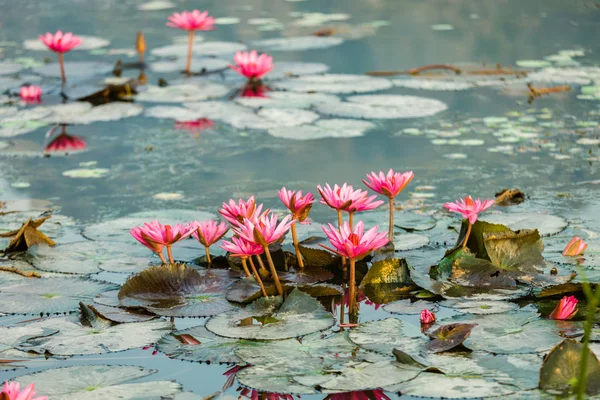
(256, 275)
(391, 232)
(61, 62)
(208, 259)
(170, 254)
(188, 64)
(273, 271)
(297, 246)
(467, 235)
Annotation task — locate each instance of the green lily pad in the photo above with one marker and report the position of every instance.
(383, 106)
(211, 348)
(99, 382)
(393, 270)
(200, 49)
(314, 254)
(408, 307)
(561, 369)
(74, 338)
(546, 224)
(176, 290)
(410, 241)
(480, 307)
(298, 43)
(384, 336)
(270, 319)
(335, 83)
(183, 92)
(49, 295)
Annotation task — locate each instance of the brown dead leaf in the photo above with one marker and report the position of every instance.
(509, 197)
(27, 236)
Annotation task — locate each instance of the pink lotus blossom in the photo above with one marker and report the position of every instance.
(469, 208)
(235, 213)
(355, 243)
(376, 394)
(251, 65)
(194, 126)
(241, 248)
(60, 43)
(345, 198)
(565, 309)
(265, 230)
(156, 236)
(427, 317)
(389, 185)
(299, 205)
(12, 391)
(66, 143)
(31, 94)
(192, 21)
(576, 247)
(209, 232)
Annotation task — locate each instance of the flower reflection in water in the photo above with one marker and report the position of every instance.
(63, 142)
(196, 126)
(251, 393)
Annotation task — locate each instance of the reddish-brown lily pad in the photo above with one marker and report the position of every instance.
(449, 336)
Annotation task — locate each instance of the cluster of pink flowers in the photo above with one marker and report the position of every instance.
(31, 94)
(12, 391)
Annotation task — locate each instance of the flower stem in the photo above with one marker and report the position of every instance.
(297, 246)
(340, 222)
(273, 271)
(208, 259)
(391, 235)
(61, 62)
(256, 275)
(260, 262)
(170, 254)
(467, 236)
(188, 64)
(350, 220)
(162, 258)
(352, 288)
(245, 266)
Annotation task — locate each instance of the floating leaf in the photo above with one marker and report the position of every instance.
(449, 336)
(200, 49)
(298, 43)
(335, 83)
(75, 69)
(156, 5)
(515, 250)
(201, 65)
(270, 319)
(410, 241)
(176, 290)
(327, 128)
(121, 315)
(546, 224)
(82, 173)
(26, 236)
(286, 100)
(384, 336)
(383, 106)
(49, 295)
(561, 369)
(309, 274)
(408, 307)
(388, 271)
(99, 382)
(183, 92)
(480, 307)
(83, 113)
(432, 84)
(315, 255)
(74, 338)
(181, 345)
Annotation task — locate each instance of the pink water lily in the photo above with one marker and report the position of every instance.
(235, 213)
(31, 94)
(575, 247)
(244, 249)
(66, 143)
(191, 21)
(389, 185)
(208, 233)
(427, 317)
(470, 210)
(565, 309)
(354, 244)
(61, 44)
(299, 206)
(156, 236)
(346, 198)
(265, 230)
(12, 391)
(251, 65)
(376, 394)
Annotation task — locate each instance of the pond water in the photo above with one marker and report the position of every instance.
(472, 133)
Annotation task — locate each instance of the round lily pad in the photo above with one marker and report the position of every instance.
(335, 83)
(408, 307)
(183, 92)
(156, 5)
(383, 107)
(286, 100)
(73, 338)
(9, 68)
(200, 49)
(298, 43)
(287, 69)
(177, 291)
(546, 224)
(325, 128)
(480, 307)
(75, 69)
(83, 113)
(199, 345)
(49, 295)
(384, 335)
(203, 65)
(270, 319)
(410, 241)
(442, 85)
(86, 173)
(99, 382)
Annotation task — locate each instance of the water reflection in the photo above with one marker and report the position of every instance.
(62, 142)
